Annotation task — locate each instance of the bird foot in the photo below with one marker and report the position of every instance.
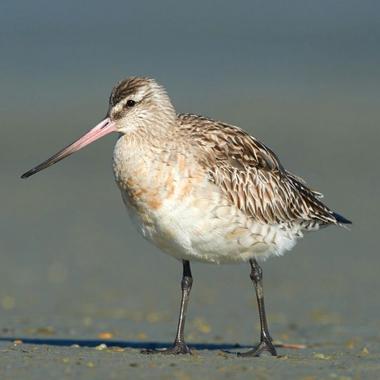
(179, 348)
(265, 346)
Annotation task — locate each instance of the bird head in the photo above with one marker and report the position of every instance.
(139, 103)
(135, 104)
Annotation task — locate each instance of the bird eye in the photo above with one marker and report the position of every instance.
(130, 103)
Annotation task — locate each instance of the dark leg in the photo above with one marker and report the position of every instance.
(179, 346)
(265, 339)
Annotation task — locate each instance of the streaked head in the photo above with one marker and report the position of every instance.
(135, 103)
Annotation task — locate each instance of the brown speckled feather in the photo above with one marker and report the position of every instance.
(252, 177)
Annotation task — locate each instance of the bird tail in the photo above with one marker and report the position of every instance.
(341, 219)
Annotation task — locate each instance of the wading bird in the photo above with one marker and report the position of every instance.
(202, 190)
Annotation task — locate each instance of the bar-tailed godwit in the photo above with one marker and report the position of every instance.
(202, 190)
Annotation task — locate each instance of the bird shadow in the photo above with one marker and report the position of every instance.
(150, 345)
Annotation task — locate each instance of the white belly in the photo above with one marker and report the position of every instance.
(202, 231)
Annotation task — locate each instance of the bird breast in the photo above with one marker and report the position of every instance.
(164, 190)
(149, 176)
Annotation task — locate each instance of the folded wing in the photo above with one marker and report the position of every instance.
(252, 177)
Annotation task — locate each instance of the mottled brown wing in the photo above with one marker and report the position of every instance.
(252, 177)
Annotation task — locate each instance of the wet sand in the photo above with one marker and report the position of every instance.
(333, 352)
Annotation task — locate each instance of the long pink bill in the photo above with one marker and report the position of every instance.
(103, 128)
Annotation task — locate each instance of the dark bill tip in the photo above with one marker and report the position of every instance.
(29, 173)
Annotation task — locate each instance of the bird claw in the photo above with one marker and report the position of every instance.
(265, 346)
(176, 349)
